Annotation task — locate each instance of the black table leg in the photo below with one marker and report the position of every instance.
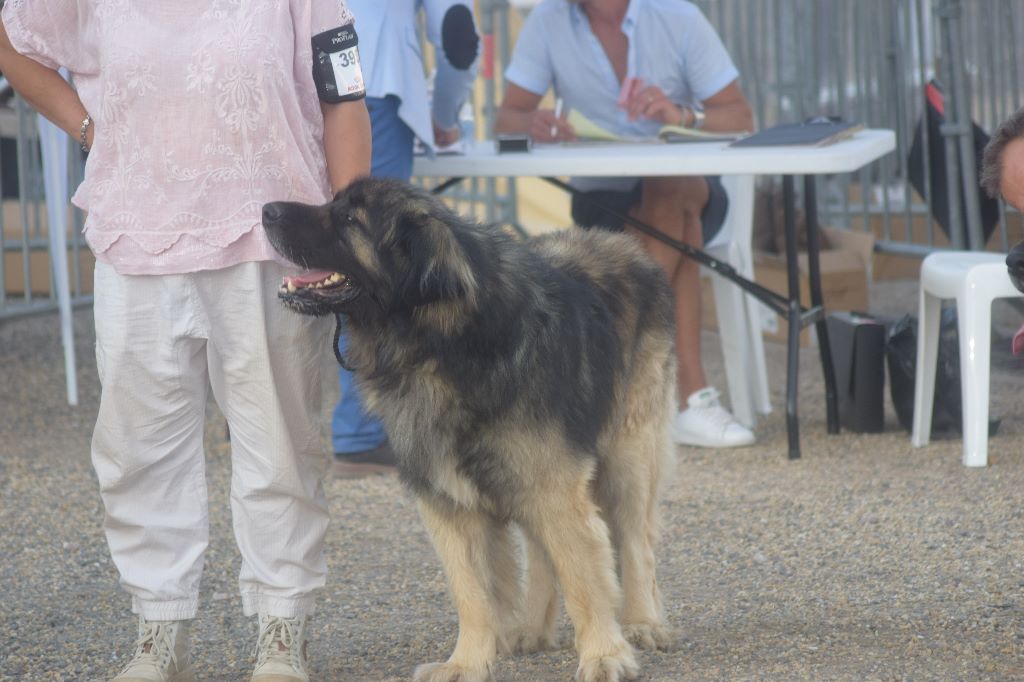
(817, 301)
(793, 317)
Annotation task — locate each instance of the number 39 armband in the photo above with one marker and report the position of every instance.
(336, 70)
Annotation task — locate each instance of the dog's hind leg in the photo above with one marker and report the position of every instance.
(535, 630)
(460, 538)
(562, 517)
(627, 492)
(639, 461)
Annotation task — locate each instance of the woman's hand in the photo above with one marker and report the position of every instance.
(446, 138)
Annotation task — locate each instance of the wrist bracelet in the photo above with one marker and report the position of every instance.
(687, 115)
(698, 117)
(86, 122)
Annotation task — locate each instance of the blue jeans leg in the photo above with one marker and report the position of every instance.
(352, 429)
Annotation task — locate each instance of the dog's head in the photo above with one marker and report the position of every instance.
(379, 246)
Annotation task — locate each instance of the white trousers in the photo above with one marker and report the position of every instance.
(162, 342)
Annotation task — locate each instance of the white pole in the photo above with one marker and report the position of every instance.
(54, 145)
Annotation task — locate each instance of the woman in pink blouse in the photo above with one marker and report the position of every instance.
(194, 115)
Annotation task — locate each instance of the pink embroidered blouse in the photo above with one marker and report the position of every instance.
(204, 110)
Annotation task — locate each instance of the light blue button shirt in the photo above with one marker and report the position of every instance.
(392, 60)
(671, 45)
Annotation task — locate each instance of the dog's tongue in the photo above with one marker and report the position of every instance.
(307, 278)
(1018, 342)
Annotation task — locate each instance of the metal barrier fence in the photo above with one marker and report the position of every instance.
(24, 225)
(864, 60)
(870, 61)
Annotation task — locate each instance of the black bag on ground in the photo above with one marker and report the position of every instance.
(858, 353)
(901, 354)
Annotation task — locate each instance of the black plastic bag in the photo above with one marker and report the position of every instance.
(901, 356)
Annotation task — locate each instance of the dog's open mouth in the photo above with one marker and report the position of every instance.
(325, 282)
(313, 291)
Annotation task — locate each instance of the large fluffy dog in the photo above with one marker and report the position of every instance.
(520, 382)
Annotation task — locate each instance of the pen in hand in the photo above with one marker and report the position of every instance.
(558, 114)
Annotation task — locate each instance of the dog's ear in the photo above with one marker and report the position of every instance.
(438, 267)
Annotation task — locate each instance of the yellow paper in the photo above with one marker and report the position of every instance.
(587, 129)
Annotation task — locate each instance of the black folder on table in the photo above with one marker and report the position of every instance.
(814, 132)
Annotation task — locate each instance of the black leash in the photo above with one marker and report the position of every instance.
(337, 336)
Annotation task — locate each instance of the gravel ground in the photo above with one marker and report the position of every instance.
(864, 560)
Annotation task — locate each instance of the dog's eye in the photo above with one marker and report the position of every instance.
(342, 217)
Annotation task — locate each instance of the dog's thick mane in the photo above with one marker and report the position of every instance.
(455, 275)
(470, 313)
(484, 303)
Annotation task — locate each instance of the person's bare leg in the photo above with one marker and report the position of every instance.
(674, 205)
(686, 285)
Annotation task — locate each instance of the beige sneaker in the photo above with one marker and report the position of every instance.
(161, 653)
(281, 650)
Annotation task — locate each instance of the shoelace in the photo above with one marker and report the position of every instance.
(159, 638)
(719, 416)
(279, 642)
(713, 411)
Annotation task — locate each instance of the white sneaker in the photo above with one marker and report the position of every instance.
(161, 653)
(705, 423)
(281, 650)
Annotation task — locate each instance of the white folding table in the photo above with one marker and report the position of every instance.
(643, 159)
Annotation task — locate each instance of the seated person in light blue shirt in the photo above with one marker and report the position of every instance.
(591, 52)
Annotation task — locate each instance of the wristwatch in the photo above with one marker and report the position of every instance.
(698, 116)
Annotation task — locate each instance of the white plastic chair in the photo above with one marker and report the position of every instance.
(973, 279)
(738, 315)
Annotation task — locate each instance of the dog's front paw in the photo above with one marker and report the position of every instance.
(648, 636)
(450, 672)
(524, 641)
(609, 668)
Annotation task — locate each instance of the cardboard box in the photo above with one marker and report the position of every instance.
(845, 274)
(39, 272)
(39, 259)
(912, 230)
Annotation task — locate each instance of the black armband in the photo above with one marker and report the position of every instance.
(336, 69)
(458, 37)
